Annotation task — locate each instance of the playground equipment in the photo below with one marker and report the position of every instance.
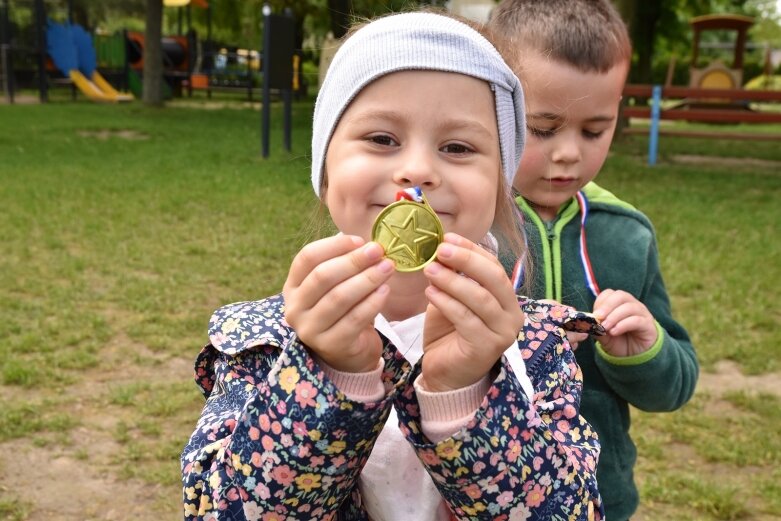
(714, 95)
(45, 53)
(72, 52)
(717, 75)
(178, 60)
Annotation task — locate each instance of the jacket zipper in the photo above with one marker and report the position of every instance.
(551, 248)
(550, 268)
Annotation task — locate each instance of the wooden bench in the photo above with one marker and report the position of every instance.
(700, 105)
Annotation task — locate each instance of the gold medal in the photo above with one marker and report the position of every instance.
(410, 233)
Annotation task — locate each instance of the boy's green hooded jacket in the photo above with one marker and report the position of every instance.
(622, 247)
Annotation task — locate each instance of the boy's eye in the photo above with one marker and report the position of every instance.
(542, 132)
(456, 148)
(382, 139)
(592, 135)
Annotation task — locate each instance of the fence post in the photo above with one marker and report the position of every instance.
(653, 134)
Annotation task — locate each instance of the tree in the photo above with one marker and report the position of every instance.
(153, 54)
(660, 29)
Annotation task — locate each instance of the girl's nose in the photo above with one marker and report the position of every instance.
(418, 168)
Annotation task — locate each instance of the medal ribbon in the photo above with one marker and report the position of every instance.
(519, 271)
(591, 280)
(414, 194)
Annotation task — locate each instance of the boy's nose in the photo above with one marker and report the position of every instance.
(418, 169)
(566, 151)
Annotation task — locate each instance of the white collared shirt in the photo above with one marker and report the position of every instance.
(393, 484)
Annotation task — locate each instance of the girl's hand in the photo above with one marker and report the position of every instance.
(334, 289)
(631, 329)
(472, 316)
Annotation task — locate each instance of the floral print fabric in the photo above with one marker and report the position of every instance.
(278, 441)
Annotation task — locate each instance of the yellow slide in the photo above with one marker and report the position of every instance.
(98, 89)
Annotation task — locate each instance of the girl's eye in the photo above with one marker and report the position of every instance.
(382, 139)
(456, 148)
(542, 132)
(592, 135)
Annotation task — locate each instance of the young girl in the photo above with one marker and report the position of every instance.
(482, 393)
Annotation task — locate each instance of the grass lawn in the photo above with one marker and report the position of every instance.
(122, 228)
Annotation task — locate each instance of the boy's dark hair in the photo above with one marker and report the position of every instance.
(587, 34)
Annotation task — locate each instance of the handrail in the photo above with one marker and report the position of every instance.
(723, 112)
(639, 90)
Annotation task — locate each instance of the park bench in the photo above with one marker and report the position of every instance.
(699, 105)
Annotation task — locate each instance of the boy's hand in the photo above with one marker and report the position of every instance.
(573, 337)
(631, 329)
(472, 316)
(334, 289)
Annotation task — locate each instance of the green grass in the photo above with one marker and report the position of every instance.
(717, 229)
(123, 228)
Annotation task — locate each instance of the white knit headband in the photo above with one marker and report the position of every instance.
(417, 41)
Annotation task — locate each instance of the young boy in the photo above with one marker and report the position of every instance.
(574, 56)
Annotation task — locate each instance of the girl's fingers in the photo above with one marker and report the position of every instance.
(471, 296)
(464, 256)
(466, 322)
(317, 252)
(323, 277)
(463, 242)
(492, 292)
(363, 312)
(346, 296)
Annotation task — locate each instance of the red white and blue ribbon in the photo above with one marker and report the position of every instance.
(414, 194)
(519, 271)
(591, 280)
(519, 274)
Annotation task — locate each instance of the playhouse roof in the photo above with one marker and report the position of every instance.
(722, 21)
(203, 4)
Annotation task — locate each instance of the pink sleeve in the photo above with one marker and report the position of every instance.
(443, 414)
(358, 387)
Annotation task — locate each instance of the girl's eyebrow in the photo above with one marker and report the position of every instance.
(468, 126)
(376, 114)
(370, 115)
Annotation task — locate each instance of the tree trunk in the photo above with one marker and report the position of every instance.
(341, 11)
(627, 9)
(153, 54)
(647, 15)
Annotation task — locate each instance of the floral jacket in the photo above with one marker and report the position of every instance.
(278, 441)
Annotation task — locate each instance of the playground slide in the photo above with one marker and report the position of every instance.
(70, 48)
(98, 89)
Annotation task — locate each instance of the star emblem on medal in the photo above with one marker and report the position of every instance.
(409, 230)
(410, 238)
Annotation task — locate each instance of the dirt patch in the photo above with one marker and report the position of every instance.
(75, 476)
(105, 134)
(728, 377)
(739, 162)
(216, 105)
(21, 99)
(62, 486)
